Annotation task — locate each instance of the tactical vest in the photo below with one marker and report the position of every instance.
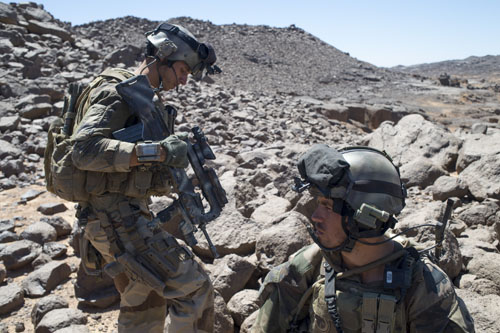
(73, 184)
(351, 306)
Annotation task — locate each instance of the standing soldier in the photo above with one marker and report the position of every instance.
(355, 279)
(153, 273)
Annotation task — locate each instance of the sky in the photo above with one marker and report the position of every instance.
(385, 33)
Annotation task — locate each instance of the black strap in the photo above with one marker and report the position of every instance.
(331, 297)
(378, 186)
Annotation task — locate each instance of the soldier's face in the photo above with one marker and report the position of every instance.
(328, 224)
(175, 75)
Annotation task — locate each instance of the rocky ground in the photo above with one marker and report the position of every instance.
(281, 91)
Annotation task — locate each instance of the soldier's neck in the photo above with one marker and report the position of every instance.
(363, 254)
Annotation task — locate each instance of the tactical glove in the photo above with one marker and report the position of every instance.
(176, 148)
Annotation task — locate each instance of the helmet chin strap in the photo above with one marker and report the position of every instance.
(160, 85)
(346, 246)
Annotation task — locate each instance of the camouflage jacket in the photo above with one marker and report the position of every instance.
(107, 160)
(429, 305)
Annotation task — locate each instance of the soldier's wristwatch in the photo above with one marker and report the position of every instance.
(148, 152)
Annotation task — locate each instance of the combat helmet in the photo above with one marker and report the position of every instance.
(170, 43)
(364, 184)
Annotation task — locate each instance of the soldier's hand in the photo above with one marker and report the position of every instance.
(176, 148)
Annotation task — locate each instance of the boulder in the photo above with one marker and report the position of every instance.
(46, 304)
(284, 237)
(11, 298)
(486, 266)
(8, 149)
(480, 213)
(7, 225)
(54, 249)
(50, 28)
(19, 253)
(231, 233)
(63, 228)
(243, 304)
(414, 136)
(126, 55)
(8, 14)
(9, 123)
(52, 208)
(223, 320)
(483, 177)
(421, 172)
(60, 318)
(230, 275)
(40, 232)
(447, 186)
(246, 326)
(46, 278)
(273, 206)
(483, 309)
(477, 146)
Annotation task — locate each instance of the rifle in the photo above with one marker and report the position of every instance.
(189, 204)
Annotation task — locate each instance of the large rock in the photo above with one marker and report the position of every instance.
(246, 326)
(412, 137)
(61, 318)
(477, 146)
(46, 304)
(483, 177)
(9, 123)
(20, 253)
(40, 232)
(52, 208)
(230, 233)
(483, 213)
(243, 304)
(63, 228)
(230, 275)
(50, 28)
(421, 172)
(483, 309)
(11, 298)
(46, 278)
(223, 320)
(486, 266)
(273, 207)
(447, 187)
(8, 149)
(277, 242)
(8, 14)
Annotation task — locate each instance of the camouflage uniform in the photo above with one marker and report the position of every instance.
(117, 216)
(429, 305)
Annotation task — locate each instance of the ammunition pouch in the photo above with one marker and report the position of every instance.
(143, 255)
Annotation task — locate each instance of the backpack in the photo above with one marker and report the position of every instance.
(61, 176)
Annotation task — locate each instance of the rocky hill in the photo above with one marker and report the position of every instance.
(485, 68)
(282, 90)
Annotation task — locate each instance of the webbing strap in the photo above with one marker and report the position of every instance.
(110, 233)
(377, 313)
(386, 311)
(331, 297)
(128, 217)
(369, 312)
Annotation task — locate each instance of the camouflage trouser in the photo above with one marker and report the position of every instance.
(187, 297)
